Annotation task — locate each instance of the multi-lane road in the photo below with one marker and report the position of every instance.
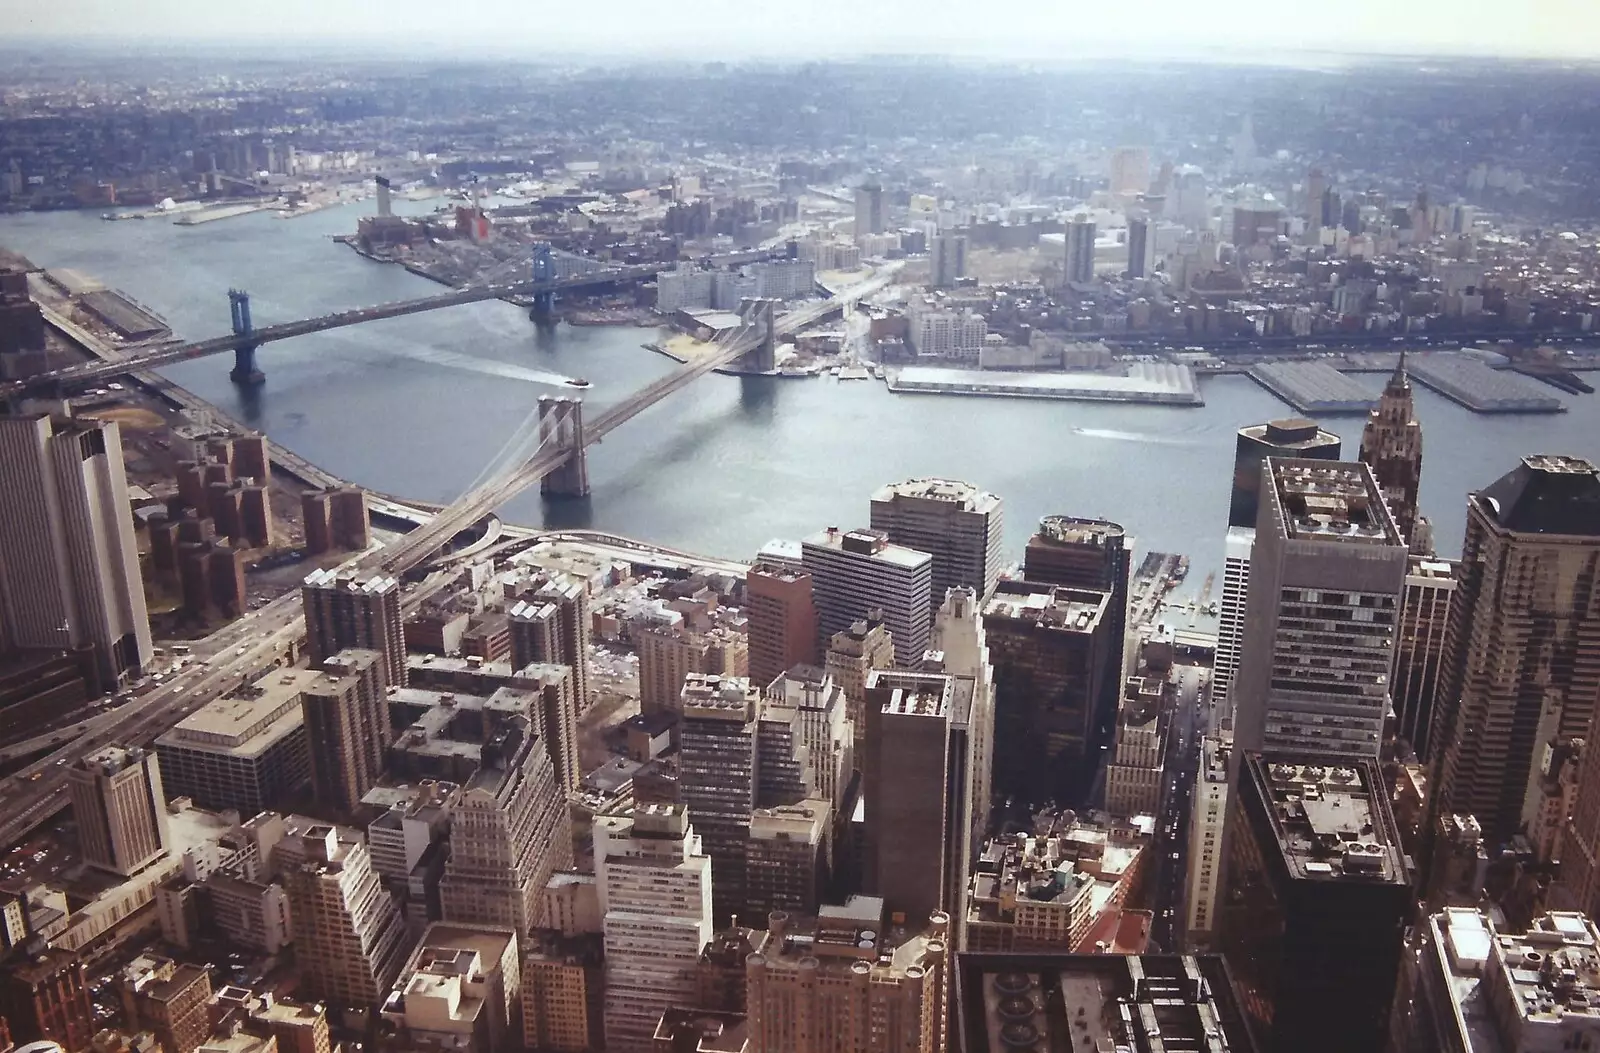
(264, 637)
(215, 665)
(1171, 842)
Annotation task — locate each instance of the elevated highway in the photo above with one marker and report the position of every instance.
(271, 634)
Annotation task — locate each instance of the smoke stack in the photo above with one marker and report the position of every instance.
(383, 196)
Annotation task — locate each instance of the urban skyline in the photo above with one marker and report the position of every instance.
(297, 760)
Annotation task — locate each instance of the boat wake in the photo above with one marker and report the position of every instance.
(486, 366)
(1128, 436)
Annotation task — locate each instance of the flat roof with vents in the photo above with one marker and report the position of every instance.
(1330, 817)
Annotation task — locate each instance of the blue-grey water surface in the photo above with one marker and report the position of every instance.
(727, 464)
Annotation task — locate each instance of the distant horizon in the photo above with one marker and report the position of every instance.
(553, 53)
(1259, 32)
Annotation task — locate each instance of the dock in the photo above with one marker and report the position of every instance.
(211, 215)
(1465, 380)
(1161, 383)
(1314, 388)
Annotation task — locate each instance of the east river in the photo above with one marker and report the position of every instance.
(727, 464)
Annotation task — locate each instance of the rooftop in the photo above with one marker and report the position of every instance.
(1545, 494)
(1291, 433)
(351, 581)
(713, 697)
(1332, 822)
(111, 759)
(867, 544)
(1331, 501)
(913, 694)
(251, 719)
(1048, 606)
(950, 491)
(806, 821)
(1071, 530)
(1008, 1002)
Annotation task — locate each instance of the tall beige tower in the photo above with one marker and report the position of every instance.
(852, 654)
(509, 832)
(655, 903)
(350, 939)
(1391, 445)
(69, 566)
(1522, 664)
(550, 623)
(848, 979)
(121, 811)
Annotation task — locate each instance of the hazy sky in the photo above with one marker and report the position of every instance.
(731, 29)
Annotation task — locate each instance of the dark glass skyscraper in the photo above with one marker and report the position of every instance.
(1292, 437)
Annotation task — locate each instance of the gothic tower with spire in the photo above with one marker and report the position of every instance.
(1391, 445)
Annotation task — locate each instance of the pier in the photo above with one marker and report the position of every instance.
(1469, 382)
(1162, 383)
(1313, 388)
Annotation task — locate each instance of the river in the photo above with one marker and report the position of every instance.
(417, 406)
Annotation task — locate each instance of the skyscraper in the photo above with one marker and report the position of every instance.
(954, 522)
(1523, 649)
(1140, 247)
(1130, 170)
(1048, 647)
(69, 566)
(1419, 649)
(1088, 554)
(350, 940)
(717, 772)
(859, 571)
(782, 621)
(948, 259)
(655, 904)
(669, 653)
(1315, 902)
(916, 783)
(1316, 187)
(1290, 438)
(869, 209)
(120, 809)
(510, 830)
(1391, 445)
(550, 623)
(1080, 250)
(851, 978)
(571, 598)
(959, 638)
(347, 727)
(346, 609)
(852, 654)
(1319, 629)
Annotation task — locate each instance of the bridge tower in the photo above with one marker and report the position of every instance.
(763, 358)
(561, 423)
(544, 270)
(244, 356)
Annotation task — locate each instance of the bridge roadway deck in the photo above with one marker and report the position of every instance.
(92, 372)
(264, 634)
(419, 545)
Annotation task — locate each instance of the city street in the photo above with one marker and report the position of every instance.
(1172, 825)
